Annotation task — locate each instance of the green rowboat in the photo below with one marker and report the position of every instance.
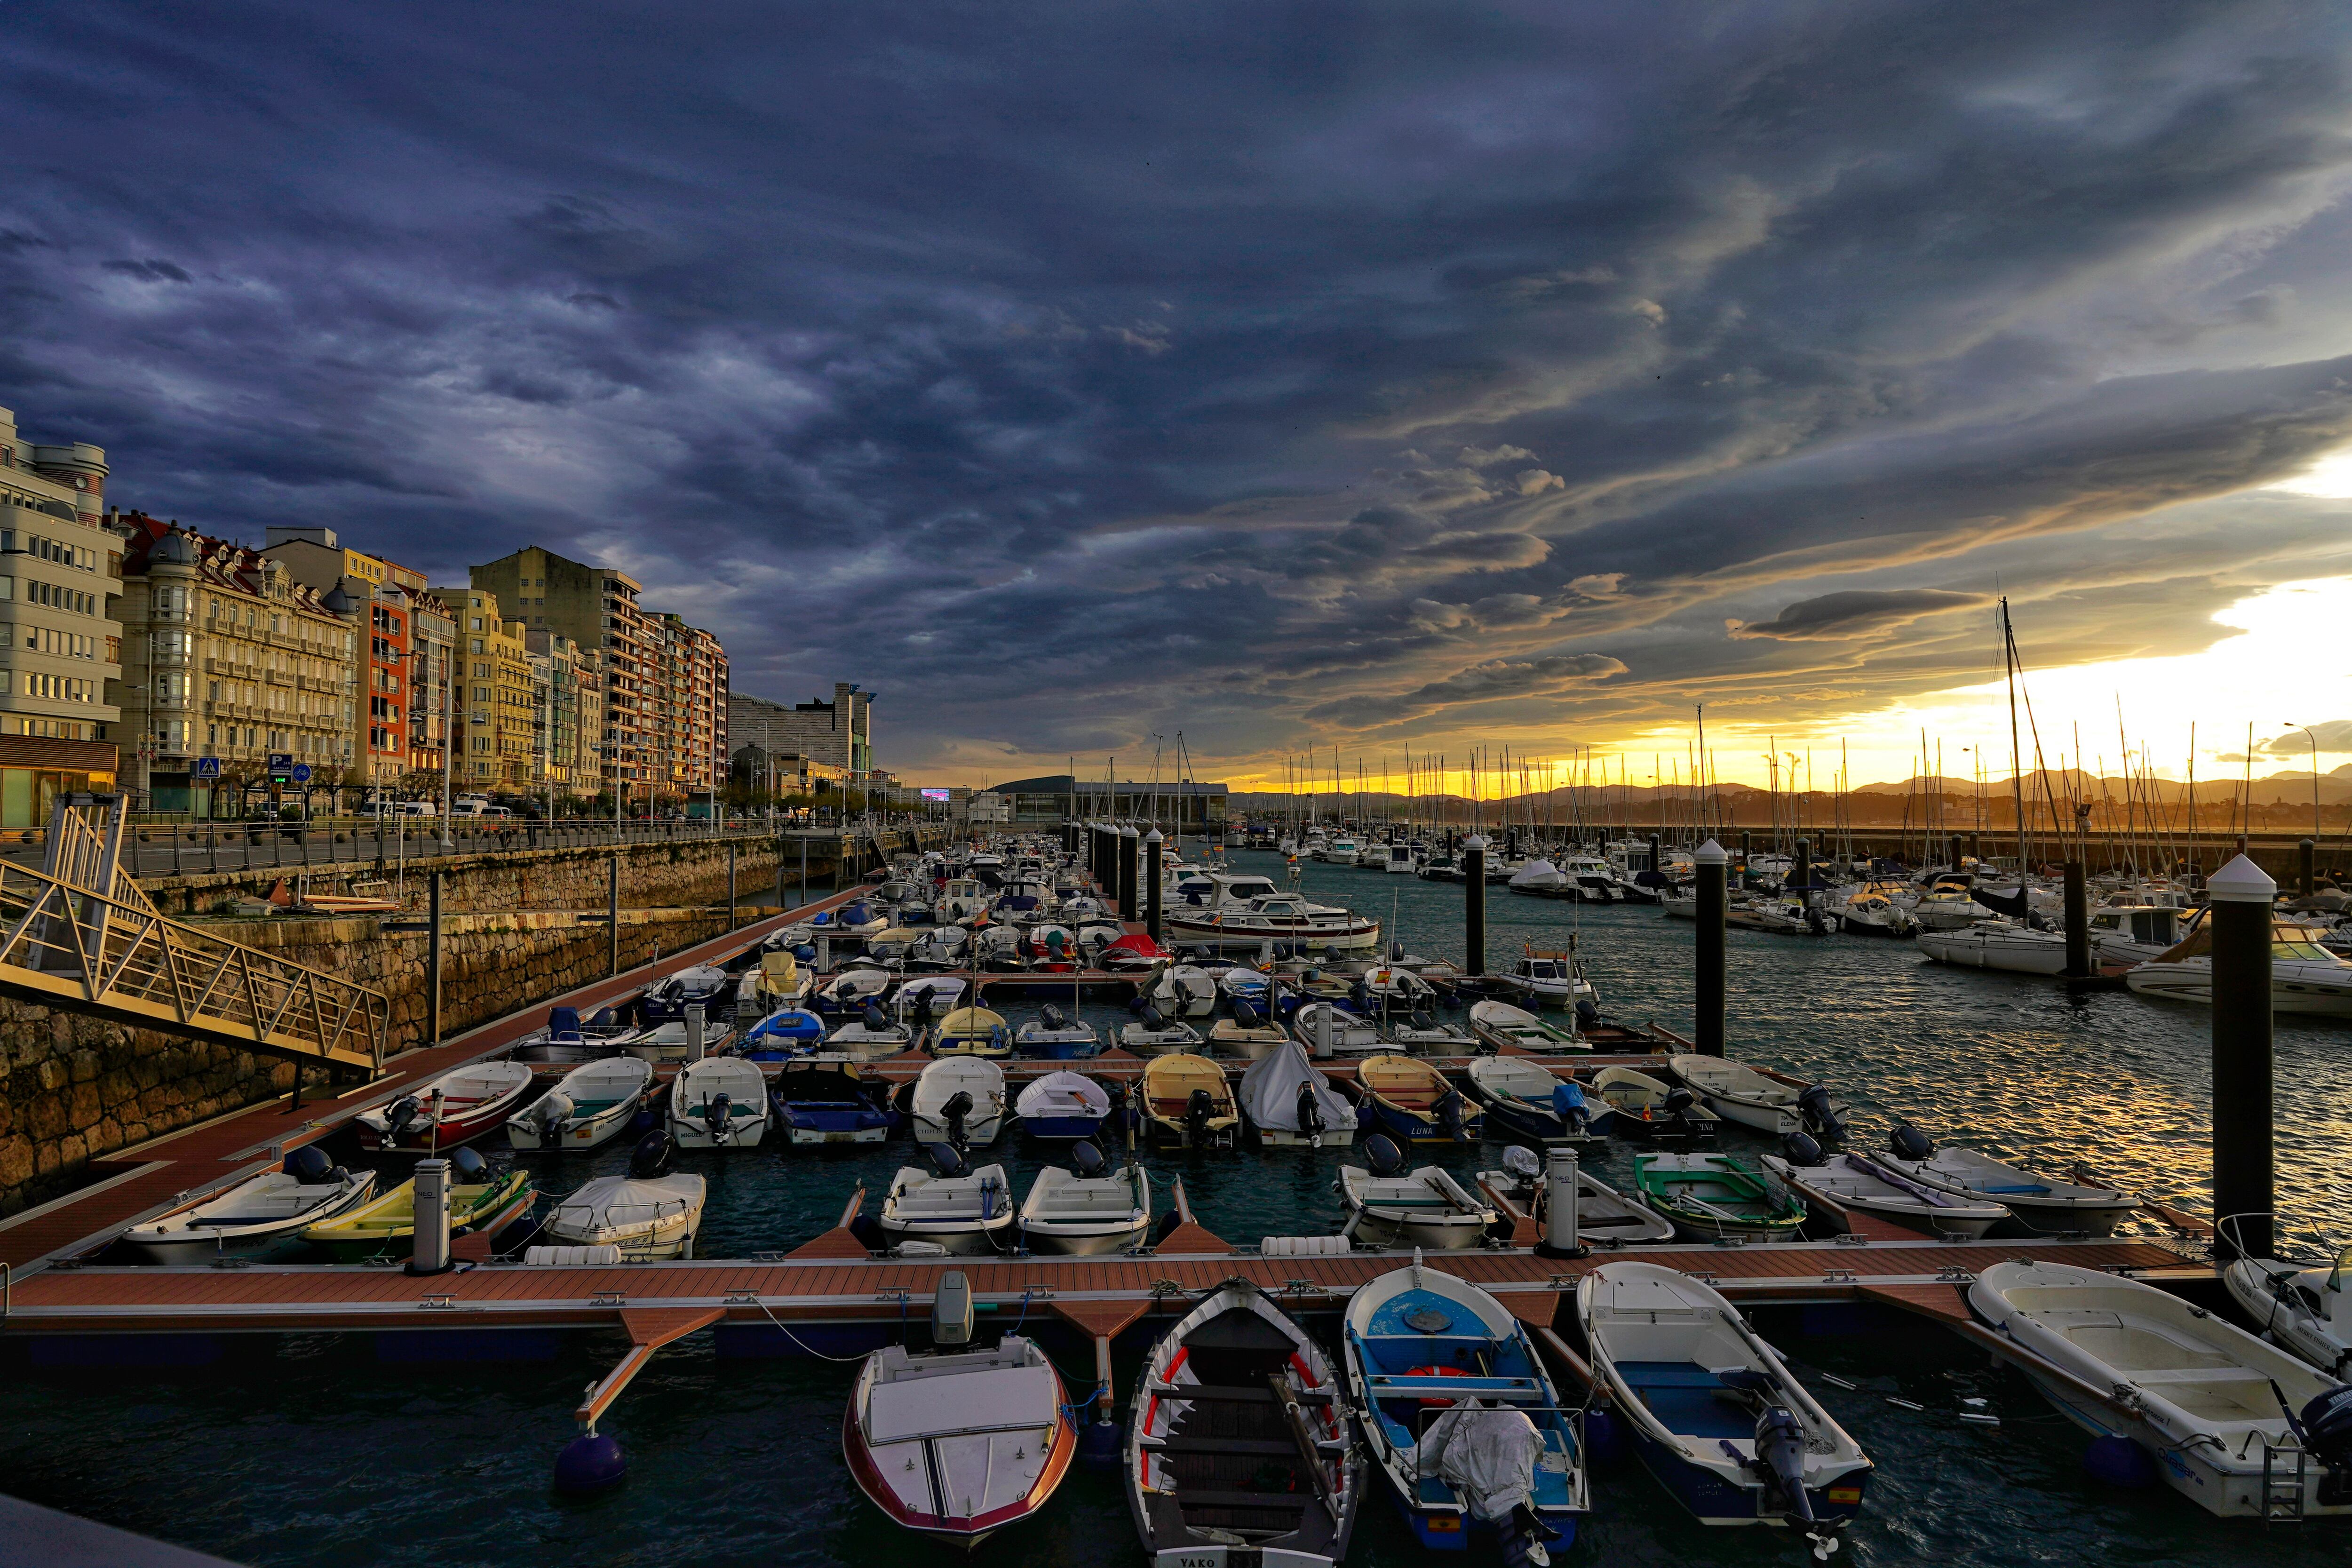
(1716, 1197)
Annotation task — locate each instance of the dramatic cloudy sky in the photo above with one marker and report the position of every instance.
(1385, 376)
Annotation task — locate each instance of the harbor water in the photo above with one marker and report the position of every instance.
(315, 1450)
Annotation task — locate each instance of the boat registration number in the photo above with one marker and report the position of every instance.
(841, 1137)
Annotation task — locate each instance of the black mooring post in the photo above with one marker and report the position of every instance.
(1975, 847)
(1656, 864)
(2306, 866)
(1804, 870)
(2078, 921)
(1128, 906)
(2242, 1168)
(1713, 875)
(1474, 905)
(1746, 853)
(433, 957)
(1151, 843)
(1952, 847)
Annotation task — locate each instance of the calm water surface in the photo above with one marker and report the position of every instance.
(314, 1451)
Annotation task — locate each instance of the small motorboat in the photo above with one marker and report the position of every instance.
(1087, 1208)
(648, 1213)
(957, 1444)
(2301, 1305)
(927, 996)
(454, 1109)
(1242, 983)
(1555, 980)
(1716, 1416)
(479, 1201)
(1719, 1197)
(1056, 1037)
(1645, 1110)
(950, 1205)
(958, 1101)
(566, 1040)
(1602, 1213)
(1422, 1033)
(1413, 1103)
(1063, 1105)
(1461, 1418)
(719, 1102)
(1765, 1102)
(2061, 1208)
(1184, 1103)
(1423, 1207)
(1183, 991)
(825, 1100)
(1997, 944)
(673, 1043)
(786, 1033)
(853, 988)
(869, 1036)
(591, 1105)
(1500, 1025)
(1328, 1029)
(1859, 1184)
(1151, 1034)
(258, 1215)
(1293, 1104)
(1249, 1034)
(971, 1032)
(1240, 1441)
(2242, 1428)
(1523, 1100)
(705, 986)
(858, 920)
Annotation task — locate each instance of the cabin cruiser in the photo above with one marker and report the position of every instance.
(1554, 980)
(2136, 934)
(2305, 976)
(1873, 909)
(1241, 911)
(1998, 942)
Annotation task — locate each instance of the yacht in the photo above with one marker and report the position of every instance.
(1238, 913)
(2305, 976)
(2135, 934)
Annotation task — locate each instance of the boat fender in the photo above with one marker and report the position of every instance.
(469, 1166)
(1909, 1143)
(2118, 1461)
(1087, 1159)
(1604, 1440)
(1386, 1159)
(1435, 1372)
(1801, 1150)
(653, 1156)
(310, 1165)
(1814, 1104)
(946, 1160)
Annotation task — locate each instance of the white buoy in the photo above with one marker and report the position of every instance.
(429, 1248)
(694, 1031)
(1559, 1201)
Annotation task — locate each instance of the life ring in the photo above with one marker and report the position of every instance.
(1435, 1372)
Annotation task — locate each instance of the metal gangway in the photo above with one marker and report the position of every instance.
(80, 933)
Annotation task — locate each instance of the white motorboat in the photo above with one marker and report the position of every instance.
(1426, 1035)
(1424, 1208)
(1062, 1106)
(1946, 906)
(1602, 1213)
(456, 1108)
(1765, 1102)
(1859, 1185)
(1087, 1210)
(1152, 1035)
(1997, 944)
(1644, 1110)
(1249, 1038)
(1325, 1028)
(1525, 1101)
(1716, 1416)
(2136, 934)
(256, 1216)
(1240, 912)
(957, 1444)
(1553, 979)
(1875, 909)
(567, 1040)
(1500, 1024)
(2063, 1208)
(1056, 1035)
(950, 1205)
(719, 1102)
(958, 1101)
(1293, 1104)
(2302, 1306)
(926, 996)
(849, 990)
(1183, 991)
(592, 1104)
(2235, 1421)
(648, 1213)
(673, 1042)
(2306, 977)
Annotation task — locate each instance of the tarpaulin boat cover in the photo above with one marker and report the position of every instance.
(1269, 1092)
(1063, 1094)
(1489, 1452)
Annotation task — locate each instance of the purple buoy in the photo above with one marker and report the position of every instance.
(1604, 1444)
(2119, 1462)
(1098, 1445)
(591, 1462)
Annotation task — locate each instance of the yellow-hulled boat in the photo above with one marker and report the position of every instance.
(1186, 1104)
(1413, 1103)
(386, 1228)
(971, 1032)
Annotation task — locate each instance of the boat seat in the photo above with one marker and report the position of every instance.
(1213, 1393)
(1263, 1447)
(1683, 1396)
(1510, 1390)
(1281, 1503)
(2159, 1377)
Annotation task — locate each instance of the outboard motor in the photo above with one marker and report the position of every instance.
(1568, 1104)
(1052, 1017)
(1779, 1462)
(1197, 1112)
(1245, 1015)
(552, 1111)
(1396, 952)
(1086, 1159)
(1308, 1113)
(2326, 1429)
(468, 1167)
(310, 1165)
(958, 1107)
(875, 1019)
(947, 1160)
(1802, 1150)
(398, 1117)
(1909, 1143)
(1386, 1159)
(1152, 1018)
(1814, 1105)
(716, 1116)
(1678, 1106)
(919, 1015)
(651, 1159)
(1524, 1164)
(1587, 1015)
(1449, 1117)
(1423, 1019)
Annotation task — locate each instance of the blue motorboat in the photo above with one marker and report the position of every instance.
(786, 1033)
(1461, 1418)
(1064, 1105)
(829, 1102)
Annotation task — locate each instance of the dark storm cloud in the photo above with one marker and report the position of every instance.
(1856, 613)
(1072, 372)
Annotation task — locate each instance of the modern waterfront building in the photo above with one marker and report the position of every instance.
(568, 688)
(836, 735)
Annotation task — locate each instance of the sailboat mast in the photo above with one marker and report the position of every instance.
(2016, 763)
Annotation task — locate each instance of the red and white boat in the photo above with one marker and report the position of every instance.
(958, 1444)
(453, 1109)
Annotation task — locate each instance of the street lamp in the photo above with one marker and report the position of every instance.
(2314, 776)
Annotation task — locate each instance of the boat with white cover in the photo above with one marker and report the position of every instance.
(1087, 1209)
(1765, 1102)
(1063, 1105)
(950, 1205)
(1860, 1185)
(1293, 1104)
(958, 1101)
(589, 1105)
(1239, 1448)
(258, 1215)
(957, 1444)
(719, 1102)
(2233, 1418)
(1425, 1206)
(650, 1214)
(1997, 944)
(2063, 1209)
(1715, 1414)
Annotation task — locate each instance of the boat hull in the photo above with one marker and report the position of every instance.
(1451, 1233)
(963, 1238)
(1712, 1499)
(1090, 1242)
(742, 1133)
(202, 1245)
(1063, 1128)
(970, 1532)
(576, 1133)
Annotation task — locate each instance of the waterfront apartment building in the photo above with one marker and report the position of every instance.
(837, 736)
(495, 703)
(60, 644)
(232, 661)
(432, 664)
(687, 701)
(568, 686)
